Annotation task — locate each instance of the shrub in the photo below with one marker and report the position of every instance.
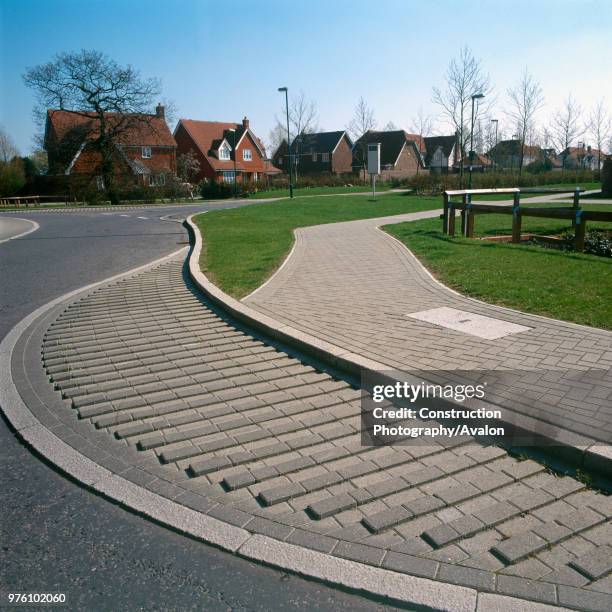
(212, 190)
(596, 242)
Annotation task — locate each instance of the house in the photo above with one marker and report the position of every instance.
(506, 154)
(441, 152)
(400, 156)
(480, 163)
(223, 149)
(145, 151)
(318, 153)
(583, 157)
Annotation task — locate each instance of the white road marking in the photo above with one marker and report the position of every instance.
(124, 215)
(142, 217)
(469, 323)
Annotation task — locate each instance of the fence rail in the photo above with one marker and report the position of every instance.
(35, 200)
(469, 210)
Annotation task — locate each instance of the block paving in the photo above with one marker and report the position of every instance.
(147, 379)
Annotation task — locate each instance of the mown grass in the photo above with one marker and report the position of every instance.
(244, 246)
(563, 285)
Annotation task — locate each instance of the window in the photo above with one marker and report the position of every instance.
(100, 183)
(247, 155)
(228, 177)
(325, 157)
(224, 152)
(146, 152)
(280, 161)
(255, 177)
(314, 156)
(157, 180)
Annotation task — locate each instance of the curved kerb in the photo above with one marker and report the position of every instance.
(420, 593)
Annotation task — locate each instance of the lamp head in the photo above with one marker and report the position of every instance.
(282, 89)
(477, 96)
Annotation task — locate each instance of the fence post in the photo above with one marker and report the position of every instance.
(445, 218)
(516, 218)
(451, 219)
(469, 222)
(576, 205)
(465, 199)
(580, 232)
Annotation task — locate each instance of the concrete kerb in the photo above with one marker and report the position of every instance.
(420, 593)
(575, 449)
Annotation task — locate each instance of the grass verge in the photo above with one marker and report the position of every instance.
(563, 285)
(314, 191)
(244, 246)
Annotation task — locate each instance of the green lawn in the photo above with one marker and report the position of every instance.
(312, 191)
(244, 246)
(564, 285)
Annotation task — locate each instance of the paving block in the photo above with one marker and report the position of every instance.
(594, 564)
(277, 495)
(584, 599)
(330, 506)
(580, 519)
(409, 564)
(467, 576)
(238, 481)
(441, 535)
(386, 519)
(527, 589)
(519, 546)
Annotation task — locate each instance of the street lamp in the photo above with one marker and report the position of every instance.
(474, 97)
(496, 122)
(234, 146)
(288, 139)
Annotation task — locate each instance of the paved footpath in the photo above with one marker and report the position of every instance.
(353, 285)
(153, 384)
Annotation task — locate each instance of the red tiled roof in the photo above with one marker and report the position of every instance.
(418, 140)
(581, 152)
(140, 129)
(208, 135)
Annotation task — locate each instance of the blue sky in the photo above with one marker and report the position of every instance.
(220, 60)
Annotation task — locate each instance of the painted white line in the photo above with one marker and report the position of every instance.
(142, 217)
(124, 215)
(34, 227)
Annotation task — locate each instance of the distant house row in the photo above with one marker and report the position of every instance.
(146, 151)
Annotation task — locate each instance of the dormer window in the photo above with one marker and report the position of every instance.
(224, 152)
(247, 154)
(146, 153)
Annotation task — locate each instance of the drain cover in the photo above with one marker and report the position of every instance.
(469, 323)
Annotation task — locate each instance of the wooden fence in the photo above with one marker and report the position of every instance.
(469, 210)
(34, 200)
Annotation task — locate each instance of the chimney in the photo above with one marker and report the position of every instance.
(245, 123)
(160, 111)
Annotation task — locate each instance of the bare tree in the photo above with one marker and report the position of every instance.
(600, 126)
(390, 127)
(8, 150)
(422, 124)
(363, 120)
(303, 115)
(565, 126)
(525, 100)
(92, 85)
(464, 78)
(277, 135)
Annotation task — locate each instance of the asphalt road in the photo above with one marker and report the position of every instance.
(58, 537)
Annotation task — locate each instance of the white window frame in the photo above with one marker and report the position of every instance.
(147, 153)
(100, 183)
(229, 176)
(224, 152)
(325, 157)
(247, 154)
(255, 177)
(314, 156)
(280, 161)
(157, 180)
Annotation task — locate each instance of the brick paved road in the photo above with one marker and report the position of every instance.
(353, 285)
(158, 387)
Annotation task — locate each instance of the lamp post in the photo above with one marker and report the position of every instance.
(234, 147)
(496, 122)
(288, 140)
(474, 97)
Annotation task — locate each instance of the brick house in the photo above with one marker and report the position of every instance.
(322, 152)
(506, 154)
(145, 149)
(217, 145)
(400, 154)
(583, 157)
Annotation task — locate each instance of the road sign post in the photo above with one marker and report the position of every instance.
(374, 163)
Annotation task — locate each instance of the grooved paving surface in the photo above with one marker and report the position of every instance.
(158, 388)
(352, 285)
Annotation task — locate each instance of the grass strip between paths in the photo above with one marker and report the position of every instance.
(563, 285)
(242, 247)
